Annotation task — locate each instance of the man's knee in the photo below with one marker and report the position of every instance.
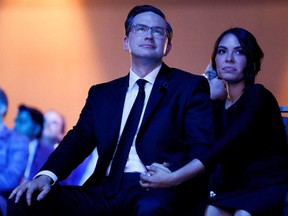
(153, 207)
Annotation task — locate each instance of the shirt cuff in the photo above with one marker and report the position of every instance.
(47, 173)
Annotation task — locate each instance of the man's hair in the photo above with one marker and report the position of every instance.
(147, 8)
(36, 116)
(3, 99)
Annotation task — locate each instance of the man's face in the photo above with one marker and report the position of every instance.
(25, 125)
(147, 45)
(53, 126)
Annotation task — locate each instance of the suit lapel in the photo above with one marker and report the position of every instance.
(117, 103)
(157, 94)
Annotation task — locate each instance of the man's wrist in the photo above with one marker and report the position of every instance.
(51, 175)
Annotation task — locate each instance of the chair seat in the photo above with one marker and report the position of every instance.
(284, 109)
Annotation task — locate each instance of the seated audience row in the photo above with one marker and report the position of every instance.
(172, 105)
(13, 155)
(174, 153)
(25, 148)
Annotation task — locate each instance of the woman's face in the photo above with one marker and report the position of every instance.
(230, 59)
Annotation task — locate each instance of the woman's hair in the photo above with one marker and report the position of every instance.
(142, 9)
(251, 50)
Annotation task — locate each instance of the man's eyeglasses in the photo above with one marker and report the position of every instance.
(157, 32)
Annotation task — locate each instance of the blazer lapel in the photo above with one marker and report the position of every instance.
(157, 94)
(117, 103)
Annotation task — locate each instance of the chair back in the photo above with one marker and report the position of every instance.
(284, 112)
(284, 109)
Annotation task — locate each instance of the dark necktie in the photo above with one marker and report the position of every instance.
(125, 142)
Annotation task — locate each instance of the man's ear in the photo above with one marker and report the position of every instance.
(126, 44)
(168, 48)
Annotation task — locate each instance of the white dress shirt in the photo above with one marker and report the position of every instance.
(134, 163)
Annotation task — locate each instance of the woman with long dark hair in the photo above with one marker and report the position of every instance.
(250, 149)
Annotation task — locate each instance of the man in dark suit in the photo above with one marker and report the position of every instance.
(175, 126)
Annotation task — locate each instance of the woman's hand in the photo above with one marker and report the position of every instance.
(160, 176)
(157, 176)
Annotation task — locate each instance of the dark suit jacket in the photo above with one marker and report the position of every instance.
(250, 145)
(176, 127)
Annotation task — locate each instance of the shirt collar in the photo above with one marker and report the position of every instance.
(149, 77)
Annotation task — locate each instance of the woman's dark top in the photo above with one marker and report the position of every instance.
(251, 153)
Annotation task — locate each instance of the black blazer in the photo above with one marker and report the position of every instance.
(176, 127)
(250, 143)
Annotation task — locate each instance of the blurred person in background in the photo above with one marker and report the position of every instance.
(29, 121)
(13, 155)
(52, 134)
(54, 128)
